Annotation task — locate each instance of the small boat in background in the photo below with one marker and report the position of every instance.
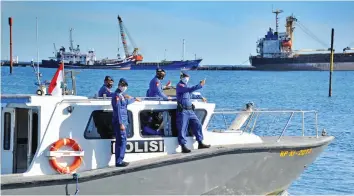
(74, 59)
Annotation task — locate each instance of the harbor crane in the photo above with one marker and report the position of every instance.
(134, 55)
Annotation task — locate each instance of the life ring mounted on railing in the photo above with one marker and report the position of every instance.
(78, 153)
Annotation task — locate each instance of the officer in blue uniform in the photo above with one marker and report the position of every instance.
(120, 120)
(156, 87)
(185, 112)
(106, 88)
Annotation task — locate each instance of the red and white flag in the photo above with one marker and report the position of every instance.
(54, 86)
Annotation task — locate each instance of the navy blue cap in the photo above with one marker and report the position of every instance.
(123, 82)
(160, 70)
(184, 74)
(108, 78)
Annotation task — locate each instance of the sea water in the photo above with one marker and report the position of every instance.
(333, 170)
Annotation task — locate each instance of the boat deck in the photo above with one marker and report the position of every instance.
(269, 144)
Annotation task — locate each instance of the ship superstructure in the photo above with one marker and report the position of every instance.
(275, 51)
(74, 55)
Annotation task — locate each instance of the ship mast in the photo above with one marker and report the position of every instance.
(71, 48)
(277, 12)
(118, 54)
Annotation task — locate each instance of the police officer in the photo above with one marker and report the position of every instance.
(120, 120)
(106, 88)
(185, 112)
(155, 86)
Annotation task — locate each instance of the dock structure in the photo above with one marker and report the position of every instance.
(17, 64)
(221, 67)
(202, 68)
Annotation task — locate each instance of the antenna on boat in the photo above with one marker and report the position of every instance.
(183, 52)
(39, 82)
(41, 87)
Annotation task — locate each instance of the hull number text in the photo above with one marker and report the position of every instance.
(291, 153)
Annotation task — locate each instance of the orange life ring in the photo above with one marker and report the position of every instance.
(78, 159)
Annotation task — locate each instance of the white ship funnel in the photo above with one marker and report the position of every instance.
(241, 117)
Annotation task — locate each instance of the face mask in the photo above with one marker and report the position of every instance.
(185, 80)
(121, 88)
(160, 76)
(109, 85)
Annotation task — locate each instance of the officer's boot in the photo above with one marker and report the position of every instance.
(185, 149)
(201, 145)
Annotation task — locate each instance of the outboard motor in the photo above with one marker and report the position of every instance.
(241, 117)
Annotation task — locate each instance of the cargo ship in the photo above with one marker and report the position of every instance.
(74, 59)
(275, 53)
(139, 64)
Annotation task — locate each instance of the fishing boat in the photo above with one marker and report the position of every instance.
(75, 59)
(64, 144)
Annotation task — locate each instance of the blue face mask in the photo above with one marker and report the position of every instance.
(185, 80)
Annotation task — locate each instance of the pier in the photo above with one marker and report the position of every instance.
(223, 67)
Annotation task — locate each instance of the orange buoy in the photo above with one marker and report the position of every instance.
(56, 146)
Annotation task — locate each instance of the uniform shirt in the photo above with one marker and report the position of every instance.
(119, 105)
(184, 93)
(105, 90)
(155, 89)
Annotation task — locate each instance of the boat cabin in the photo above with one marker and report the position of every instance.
(32, 123)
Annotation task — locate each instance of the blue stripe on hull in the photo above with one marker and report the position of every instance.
(170, 65)
(120, 66)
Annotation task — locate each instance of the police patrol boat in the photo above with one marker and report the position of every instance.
(65, 145)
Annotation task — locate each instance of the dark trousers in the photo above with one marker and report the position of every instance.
(121, 142)
(185, 118)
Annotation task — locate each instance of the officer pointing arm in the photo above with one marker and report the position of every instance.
(185, 113)
(184, 88)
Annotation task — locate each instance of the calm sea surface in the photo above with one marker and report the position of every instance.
(331, 173)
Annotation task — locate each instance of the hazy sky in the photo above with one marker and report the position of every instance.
(219, 32)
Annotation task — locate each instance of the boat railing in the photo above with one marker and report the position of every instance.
(250, 123)
(142, 98)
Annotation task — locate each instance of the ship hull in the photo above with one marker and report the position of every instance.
(118, 66)
(168, 65)
(251, 169)
(309, 62)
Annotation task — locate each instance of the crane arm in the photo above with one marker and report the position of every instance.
(120, 22)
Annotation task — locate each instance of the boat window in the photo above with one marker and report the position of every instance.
(162, 123)
(7, 130)
(100, 126)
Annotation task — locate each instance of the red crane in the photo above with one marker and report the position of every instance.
(135, 55)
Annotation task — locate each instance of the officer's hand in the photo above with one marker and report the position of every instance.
(169, 98)
(137, 99)
(202, 82)
(122, 127)
(204, 99)
(127, 96)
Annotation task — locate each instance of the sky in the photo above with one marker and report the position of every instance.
(222, 33)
